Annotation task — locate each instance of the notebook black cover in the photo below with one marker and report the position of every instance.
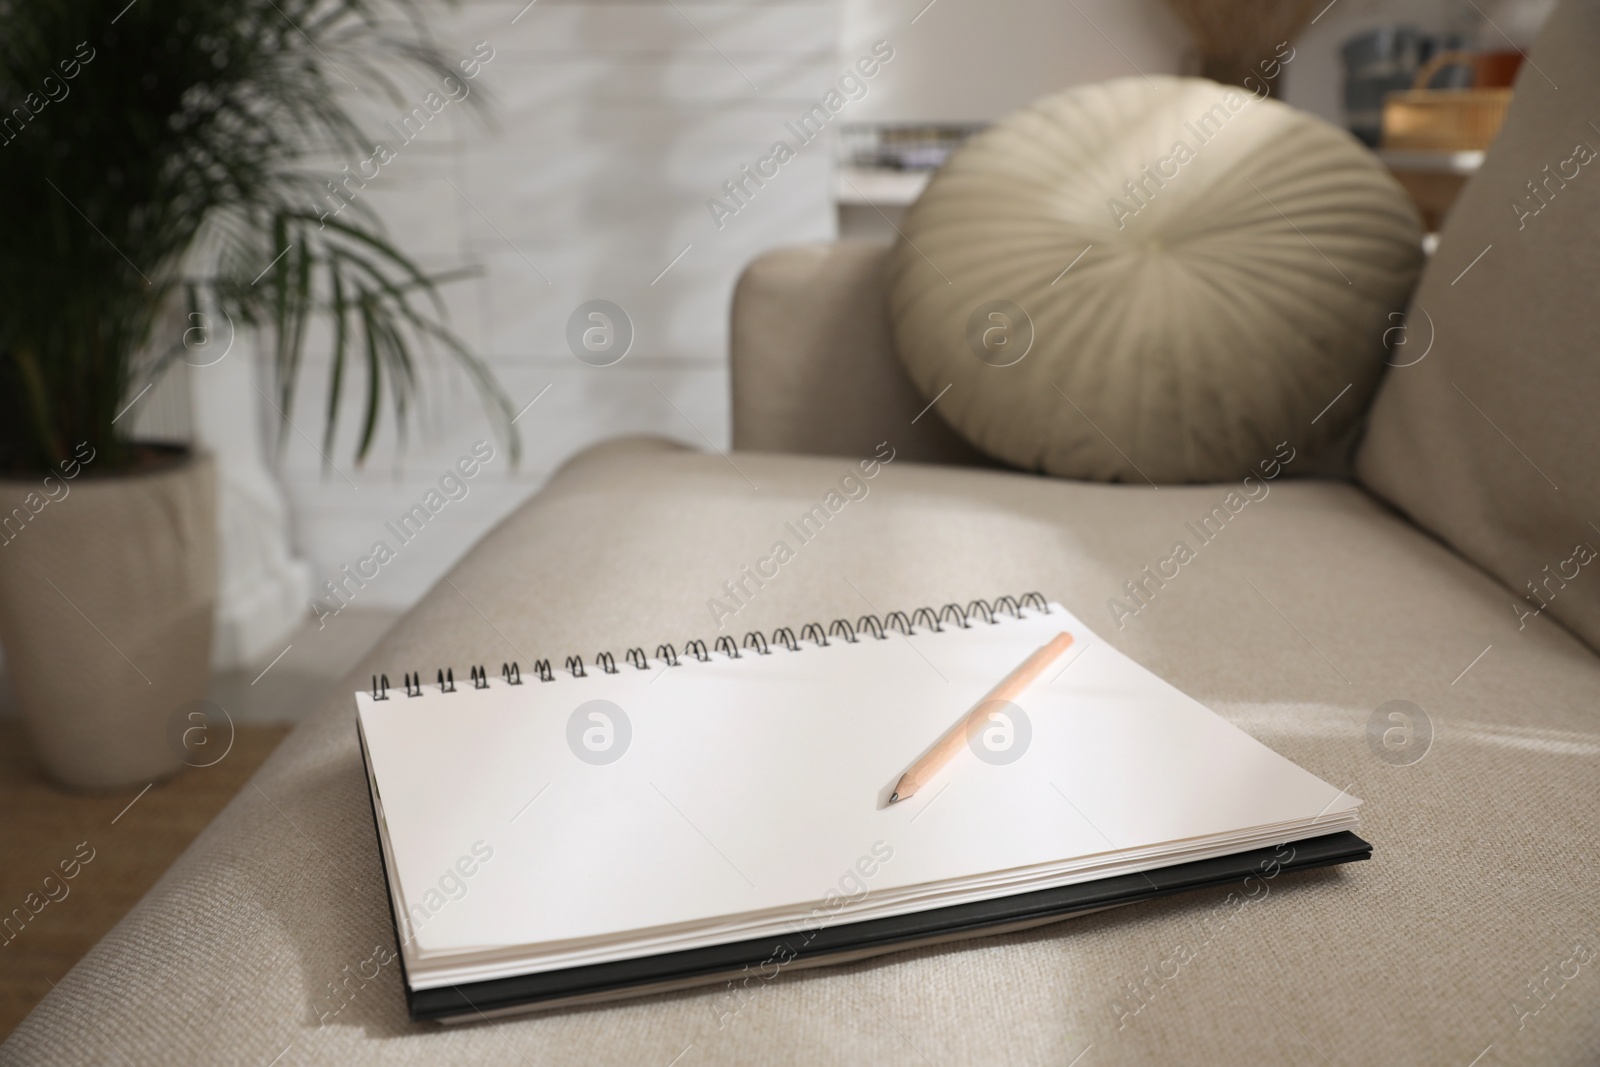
(854, 940)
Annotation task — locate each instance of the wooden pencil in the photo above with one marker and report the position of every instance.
(956, 737)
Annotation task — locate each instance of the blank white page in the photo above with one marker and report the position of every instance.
(752, 788)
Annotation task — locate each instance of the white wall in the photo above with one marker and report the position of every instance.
(613, 124)
(969, 60)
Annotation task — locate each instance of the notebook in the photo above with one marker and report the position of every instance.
(618, 827)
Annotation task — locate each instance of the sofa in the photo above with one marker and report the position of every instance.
(1373, 628)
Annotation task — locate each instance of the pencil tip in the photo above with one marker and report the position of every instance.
(893, 797)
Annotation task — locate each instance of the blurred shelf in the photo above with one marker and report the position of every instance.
(1423, 162)
(878, 187)
(1432, 179)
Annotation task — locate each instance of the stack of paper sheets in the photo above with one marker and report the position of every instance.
(750, 796)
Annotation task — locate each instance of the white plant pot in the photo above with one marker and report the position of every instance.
(107, 589)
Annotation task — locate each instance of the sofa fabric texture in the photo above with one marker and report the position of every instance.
(1314, 606)
(1153, 280)
(813, 362)
(1485, 432)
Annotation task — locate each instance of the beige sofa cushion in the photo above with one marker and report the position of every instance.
(1490, 439)
(1153, 280)
(1311, 608)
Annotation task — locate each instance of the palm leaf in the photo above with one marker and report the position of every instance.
(182, 163)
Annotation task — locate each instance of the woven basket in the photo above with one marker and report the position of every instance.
(1443, 120)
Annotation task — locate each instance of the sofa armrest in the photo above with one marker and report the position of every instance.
(813, 363)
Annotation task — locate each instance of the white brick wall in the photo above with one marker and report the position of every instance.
(613, 123)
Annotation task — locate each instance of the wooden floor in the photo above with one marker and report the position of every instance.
(131, 838)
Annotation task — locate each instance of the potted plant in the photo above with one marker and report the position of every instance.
(156, 163)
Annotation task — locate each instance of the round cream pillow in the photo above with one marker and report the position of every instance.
(1153, 281)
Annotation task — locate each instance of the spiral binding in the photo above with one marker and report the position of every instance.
(925, 618)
